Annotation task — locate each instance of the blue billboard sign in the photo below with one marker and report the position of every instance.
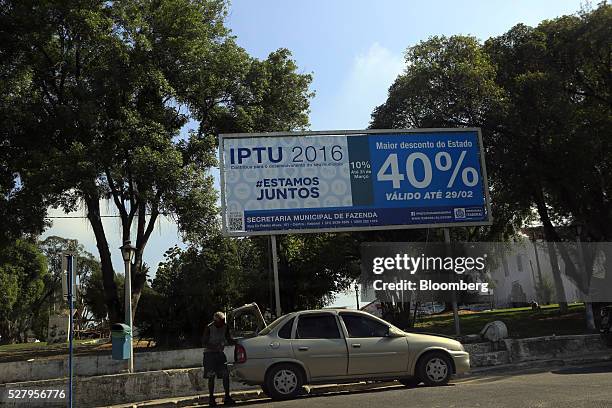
(352, 180)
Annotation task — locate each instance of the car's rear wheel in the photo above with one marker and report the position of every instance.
(435, 369)
(410, 382)
(283, 381)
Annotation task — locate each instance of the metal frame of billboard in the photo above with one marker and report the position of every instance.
(483, 169)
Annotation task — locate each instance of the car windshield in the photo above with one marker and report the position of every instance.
(271, 326)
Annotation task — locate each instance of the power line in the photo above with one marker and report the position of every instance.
(82, 216)
(85, 217)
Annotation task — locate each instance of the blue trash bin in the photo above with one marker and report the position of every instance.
(121, 336)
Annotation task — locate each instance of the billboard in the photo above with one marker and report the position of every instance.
(298, 182)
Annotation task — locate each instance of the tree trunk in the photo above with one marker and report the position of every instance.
(111, 297)
(589, 317)
(551, 236)
(139, 273)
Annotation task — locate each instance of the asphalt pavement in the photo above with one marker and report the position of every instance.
(569, 386)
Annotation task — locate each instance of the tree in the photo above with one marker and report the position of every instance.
(88, 275)
(451, 82)
(557, 80)
(22, 210)
(312, 267)
(105, 89)
(190, 285)
(23, 270)
(542, 98)
(578, 55)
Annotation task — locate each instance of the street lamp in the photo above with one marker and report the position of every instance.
(127, 252)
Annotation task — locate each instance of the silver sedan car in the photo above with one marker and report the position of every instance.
(333, 346)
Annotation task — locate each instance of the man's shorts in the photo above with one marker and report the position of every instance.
(214, 363)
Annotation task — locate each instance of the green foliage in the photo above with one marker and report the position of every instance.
(448, 81)
(98, 95)
(89, 282)
(542, 97)
(190, 285)
(23, 270)
(451, 82)
(53, 247)
(312, 267)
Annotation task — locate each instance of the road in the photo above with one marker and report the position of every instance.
(575, 387)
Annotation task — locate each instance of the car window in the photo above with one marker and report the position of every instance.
(361, 326)
(321, 326)
(271, 326)
(285, 331)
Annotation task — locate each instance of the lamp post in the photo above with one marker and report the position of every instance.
(127, 252)
(357, 294)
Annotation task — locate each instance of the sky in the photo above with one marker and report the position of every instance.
(354, 49)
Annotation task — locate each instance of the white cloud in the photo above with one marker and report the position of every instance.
(366, 86)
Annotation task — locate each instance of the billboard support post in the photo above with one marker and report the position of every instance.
(275, 269)
(447, 239)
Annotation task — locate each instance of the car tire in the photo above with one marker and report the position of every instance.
(283, 381)
(435, 368)
(410, 382)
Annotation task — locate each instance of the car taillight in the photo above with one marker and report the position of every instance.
(239, 354)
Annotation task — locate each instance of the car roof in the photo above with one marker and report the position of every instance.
(332, 311)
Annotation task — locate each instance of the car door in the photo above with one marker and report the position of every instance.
(372, 348)
(319, 344)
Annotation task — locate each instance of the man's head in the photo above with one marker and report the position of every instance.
(219, 319)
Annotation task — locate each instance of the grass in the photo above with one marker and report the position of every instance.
(42, 350)
(5, 348)
(521, 322)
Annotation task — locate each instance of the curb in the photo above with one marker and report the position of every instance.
(250, 395)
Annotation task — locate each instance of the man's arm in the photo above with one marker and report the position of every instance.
(206, 337)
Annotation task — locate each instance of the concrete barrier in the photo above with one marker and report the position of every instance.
(115, 389)
(550, 347)
(102, 364)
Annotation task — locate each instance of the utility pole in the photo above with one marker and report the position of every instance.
(447, 240)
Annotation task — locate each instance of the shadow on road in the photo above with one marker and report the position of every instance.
(594, 369)
(265, 400)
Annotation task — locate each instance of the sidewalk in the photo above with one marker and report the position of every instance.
(255, 393)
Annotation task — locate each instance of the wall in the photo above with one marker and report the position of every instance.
(102, 364)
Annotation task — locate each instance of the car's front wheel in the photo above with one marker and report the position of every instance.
(435, 369)
(283, 381)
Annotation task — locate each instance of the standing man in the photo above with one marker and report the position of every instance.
(216, 336)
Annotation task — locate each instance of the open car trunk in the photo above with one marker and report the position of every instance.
(246, 321)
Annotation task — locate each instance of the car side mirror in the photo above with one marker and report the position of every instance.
(391, 334)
